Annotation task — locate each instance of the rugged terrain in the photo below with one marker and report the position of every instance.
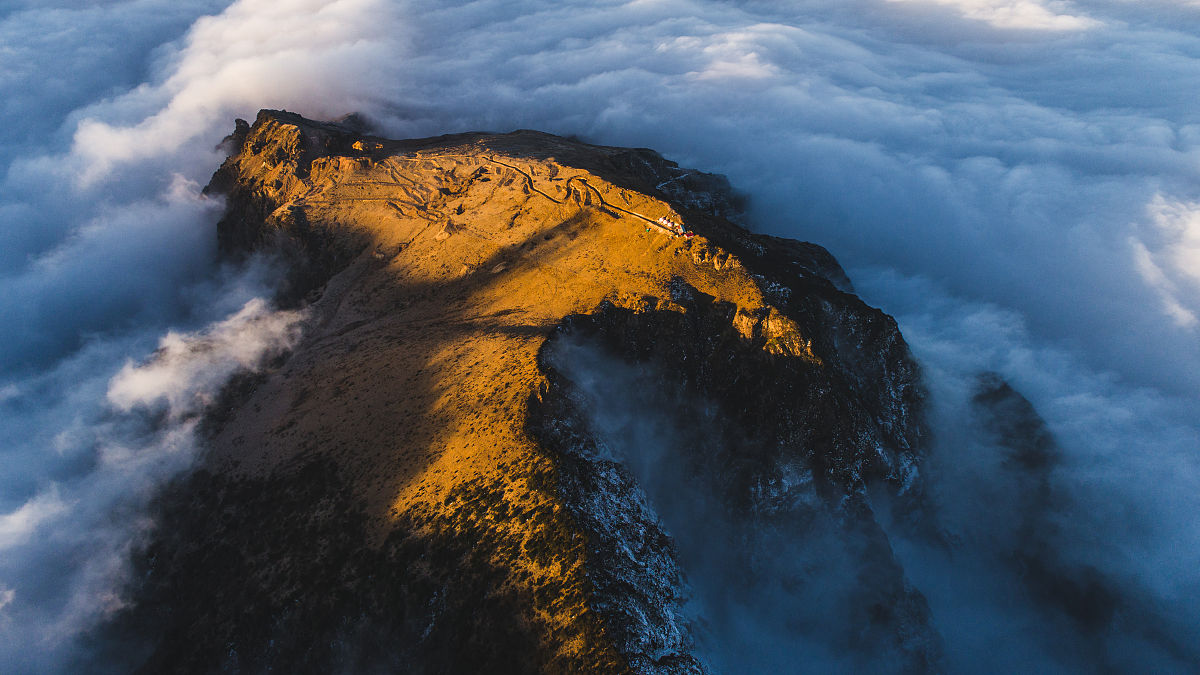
(422, 485)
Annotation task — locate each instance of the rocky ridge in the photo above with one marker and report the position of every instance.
(419, 484)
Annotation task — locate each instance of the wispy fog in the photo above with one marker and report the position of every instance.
(85, 449)
(784, 584)
(1104, 518)
(1035, 555)
(1015, 179)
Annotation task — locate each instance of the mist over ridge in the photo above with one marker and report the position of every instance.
(1015, 182)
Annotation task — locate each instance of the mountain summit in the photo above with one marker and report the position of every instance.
(531, 368)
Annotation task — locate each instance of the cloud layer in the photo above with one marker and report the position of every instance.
(1015, 179)
(93, 449)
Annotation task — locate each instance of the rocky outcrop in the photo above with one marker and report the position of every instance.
(422, 472)
(782, 433)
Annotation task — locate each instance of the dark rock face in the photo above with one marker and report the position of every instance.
(488, 530)
(1080, 592)
(1098, 610)
(778, 441)
(254, 219)
(637, 583)
(846, 403)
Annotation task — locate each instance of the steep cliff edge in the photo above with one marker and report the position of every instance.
(420, 485)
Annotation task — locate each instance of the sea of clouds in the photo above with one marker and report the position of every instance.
(1015, 180)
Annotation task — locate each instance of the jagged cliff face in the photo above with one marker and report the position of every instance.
(421, 485)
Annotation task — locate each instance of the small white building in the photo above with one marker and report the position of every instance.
(671, 225)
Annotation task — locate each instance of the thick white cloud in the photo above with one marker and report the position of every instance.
(1173, 266)
(110, 223)
(187, 370)
(59, 56)
(1025, 172)
(1020, 14)
(295, 53)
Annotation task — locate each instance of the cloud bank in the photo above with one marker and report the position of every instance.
(93, 449)
(1016, 14)
(1015, 179)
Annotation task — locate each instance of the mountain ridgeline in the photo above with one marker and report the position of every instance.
(553, 411)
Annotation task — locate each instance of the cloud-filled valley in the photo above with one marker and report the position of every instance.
(1015, 180)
